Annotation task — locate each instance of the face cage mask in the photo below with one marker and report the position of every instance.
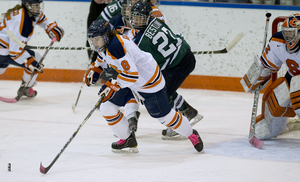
(141, 21)
(292, 43)
(94, 48)
(125, 11)
(35, 8)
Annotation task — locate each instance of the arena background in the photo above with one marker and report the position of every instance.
(205, 26)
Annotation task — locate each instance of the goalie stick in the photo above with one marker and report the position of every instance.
(233, 43)
(17, 98)
(43, 169)
(252, 139)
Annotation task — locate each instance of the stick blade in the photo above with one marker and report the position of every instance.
(73, 107)
(8, 100)
(256, 142)
(233, 43)
(14, 38)
(43, 169)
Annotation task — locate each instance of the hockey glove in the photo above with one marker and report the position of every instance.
(109, 89)
(53, 30)
(109, 73)
(31, 64)
(92, 75)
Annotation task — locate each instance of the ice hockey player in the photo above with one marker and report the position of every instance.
(281, 99)
(96, 7)
(121, 22)
(116, 7)
(122, 25)
(21, 20)
(138, 74)
(171, 52)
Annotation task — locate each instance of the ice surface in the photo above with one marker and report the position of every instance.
(35, 130)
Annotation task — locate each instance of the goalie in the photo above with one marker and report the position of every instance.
(281, 99)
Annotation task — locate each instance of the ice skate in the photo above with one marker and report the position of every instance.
(133, 122)
(169, 134)
(125, 146)
(27, 91)
(190, 113)
(196, 141)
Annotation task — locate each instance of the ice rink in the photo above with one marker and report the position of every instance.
(35, 130)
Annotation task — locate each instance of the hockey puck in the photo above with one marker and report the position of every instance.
(9, 167)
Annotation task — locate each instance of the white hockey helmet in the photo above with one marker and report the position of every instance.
(291, 32)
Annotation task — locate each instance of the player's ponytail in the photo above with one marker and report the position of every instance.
(17, 7)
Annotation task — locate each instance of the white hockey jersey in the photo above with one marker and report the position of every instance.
(22, 26)
(276, 54)
(137, 69)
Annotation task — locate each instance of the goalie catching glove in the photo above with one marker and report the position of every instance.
(109, 89)
(31, 64)
(257, 77)
(93, 74)
(53, 30)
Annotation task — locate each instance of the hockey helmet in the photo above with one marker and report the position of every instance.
(140, 15)
(291, 32)
(98, 33)
(34, 7)
(126, 6)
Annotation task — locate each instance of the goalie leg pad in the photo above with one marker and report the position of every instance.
(269, 126)
(295, 94)
(256, 75)
(275, 111)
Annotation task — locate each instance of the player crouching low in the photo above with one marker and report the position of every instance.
(281, 99)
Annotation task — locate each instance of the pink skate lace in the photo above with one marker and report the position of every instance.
(194, 139)
(30, 92)
(121, 142)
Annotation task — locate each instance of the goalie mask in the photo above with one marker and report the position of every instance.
(140, 15)
(291, 32)
(34, 7)
(98, 34)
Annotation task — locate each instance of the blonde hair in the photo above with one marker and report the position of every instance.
(17, 7)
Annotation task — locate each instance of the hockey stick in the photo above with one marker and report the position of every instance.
(236, 40)
(43, 169)
(233, 43)
(79, 93)
(17, 98)
(83, 81)
(252, 139)
(24, 46)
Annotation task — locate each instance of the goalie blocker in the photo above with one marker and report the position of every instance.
(279, 101)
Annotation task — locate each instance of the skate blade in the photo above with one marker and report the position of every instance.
(174, 137)
(196, 119)
(73, 107)
(126, 150)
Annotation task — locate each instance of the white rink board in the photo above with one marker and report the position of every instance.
(204, 28)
